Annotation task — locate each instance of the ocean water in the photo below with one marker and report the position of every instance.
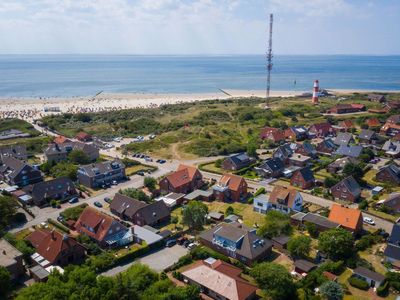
(84, 75)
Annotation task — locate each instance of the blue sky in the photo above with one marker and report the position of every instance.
(199, 27)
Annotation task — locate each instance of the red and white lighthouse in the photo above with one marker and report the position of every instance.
(315, 92)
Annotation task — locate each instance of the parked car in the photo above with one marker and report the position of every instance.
(186, 243)
(107, 199)
(114, 182)
(60, 219)
(191, 246)
(148, 159)
(73, 200)
(368, 221)
(170, 243)
(152, 136)
(98, 204)
(141, 173)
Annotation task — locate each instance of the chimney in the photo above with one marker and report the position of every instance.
(53, 236)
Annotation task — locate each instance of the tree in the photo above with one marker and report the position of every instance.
(331, 290)
(194, 214)
(330, 181)
(275, 224)
(5, 282)
(135, 194)
(78, 157)
(8, 208)
(275, 280)
(64, 169)
(337, 243)
(312, 229)
(251, 149)
(299, 246)
(354, 170)
(229, 211)
(150, 183)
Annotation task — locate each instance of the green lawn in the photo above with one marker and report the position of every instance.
(245, 210)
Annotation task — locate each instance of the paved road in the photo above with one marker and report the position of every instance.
(158, 260)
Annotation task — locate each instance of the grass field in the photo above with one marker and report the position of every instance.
(249, 216)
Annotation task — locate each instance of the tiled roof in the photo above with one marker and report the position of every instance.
(369, 274)
(50, 244)
(352, 151)
(98, 221)
(307, 174)
(347, 217)
(366, 134)
(221, 278)
(351, 185)
(232, 181)
(343, 138)
(283, 195)
(47, 189)
(183, 175)
(273, 164)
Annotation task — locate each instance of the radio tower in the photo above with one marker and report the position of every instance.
(269, 57)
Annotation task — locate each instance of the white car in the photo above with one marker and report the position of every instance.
(368, 221)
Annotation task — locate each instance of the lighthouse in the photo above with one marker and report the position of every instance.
(315, 93)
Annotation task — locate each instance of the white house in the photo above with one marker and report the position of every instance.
(281, 199)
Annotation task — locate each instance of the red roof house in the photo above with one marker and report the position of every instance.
(230, 188)
(349, 218)
(61, 140)
(184, 180)
(321, 130)
(58, 249)
(83, 137)
(373, 122)
(219, 280)
(102, 228)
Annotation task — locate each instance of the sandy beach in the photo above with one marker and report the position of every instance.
(35, 108)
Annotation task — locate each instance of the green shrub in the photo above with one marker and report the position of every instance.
(383, 290)
(358, 283)
(58, 225)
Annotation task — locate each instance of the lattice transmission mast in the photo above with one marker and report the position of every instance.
(269, 57)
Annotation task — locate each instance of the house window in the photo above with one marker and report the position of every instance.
(260, 204)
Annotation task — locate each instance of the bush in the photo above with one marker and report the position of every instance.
(383, 290)
(363, 205)
(73, 213)
(260, 191)
(58, 225)
(358, 283)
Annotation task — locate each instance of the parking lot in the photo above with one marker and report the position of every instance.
(157, 261)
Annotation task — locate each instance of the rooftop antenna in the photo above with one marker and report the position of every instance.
(269, 58)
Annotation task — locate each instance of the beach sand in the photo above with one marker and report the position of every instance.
(34, 108)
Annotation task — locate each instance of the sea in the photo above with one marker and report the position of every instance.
(86, 75)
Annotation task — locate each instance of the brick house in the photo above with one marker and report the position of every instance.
(16, 172)
(347, 125)
(139, 212)
(59, 249)
(348, 189)
(11, 259)
(347, 108)
(275, 135)
(303, 178)
(271, 167)
(389, 174)
(184, 180)
(326, 146)
(103, 229)
(230, 188)
(321, 130)
(306, 149)
(61, 188)
(237, 161)
(349, 218)
(296, 133)
(84, 137)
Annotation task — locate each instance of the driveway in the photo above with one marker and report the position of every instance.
(157, 261)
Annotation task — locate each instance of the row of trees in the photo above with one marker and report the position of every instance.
(138, 282)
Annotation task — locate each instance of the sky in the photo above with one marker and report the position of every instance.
(207, 27)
